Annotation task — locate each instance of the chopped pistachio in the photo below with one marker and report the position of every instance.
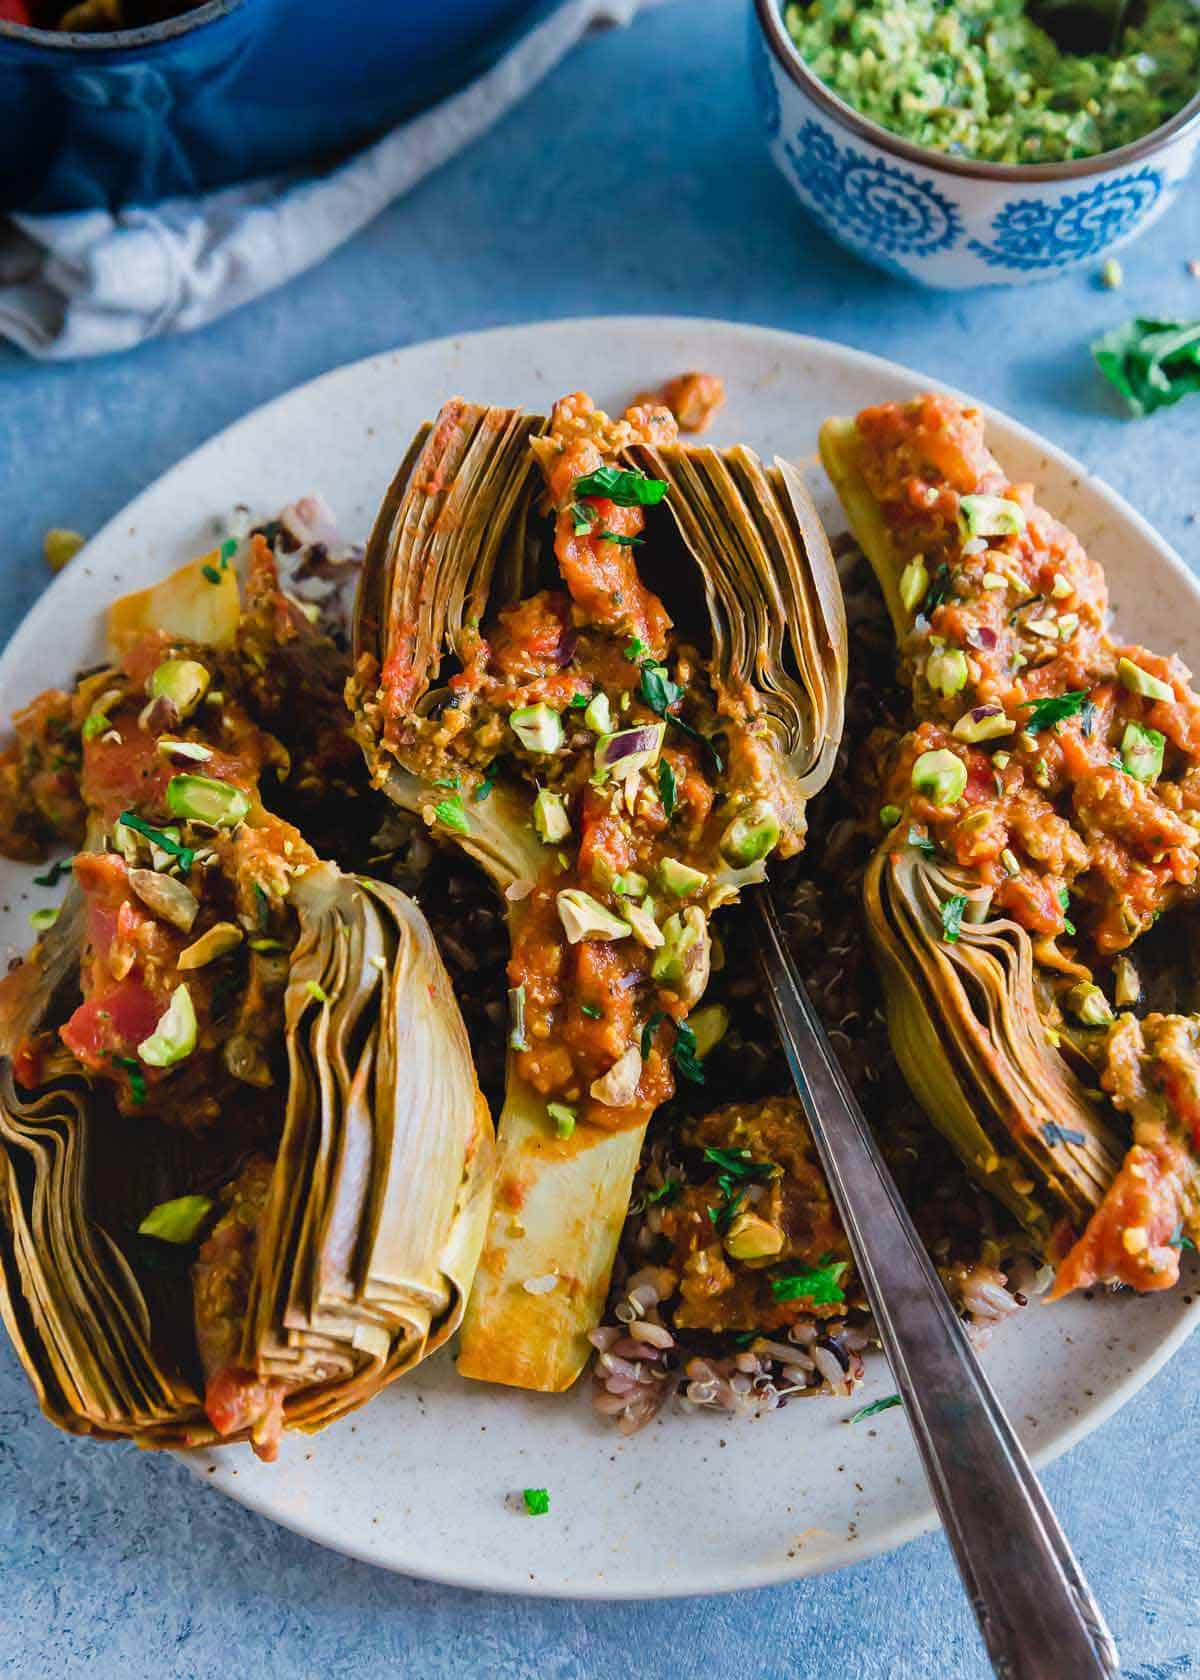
(680, 878)
(751, 1238)
(983, 723)
(618, 1087)
(1045, 627)
(1001, 760)
(1142, 752)
(538, 728)
(990, 516)
(1061, 587)
(184, 682)
(630, 884)
(914, 581)
(1068, 623)
(198, 753)
(1089, 1005)
(598, 716)
(203, 799)
(889, 816)
(216, 941)
(550, 817)
(752, 834)
(563, 1116)
(946, 671)
(1127, 985)
(645, 929)
(167, 897)
(1009, 859)
(584, 917)
(710, 1024)
(994, 580)
(1137, 681)
(175, 1035)
(941, 776)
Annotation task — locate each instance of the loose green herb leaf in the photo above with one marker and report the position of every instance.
(819, 1284)
(921, 841)
(590, 1010)
(1152, 363)
(684, 1054)
(537, 1501)
(185, 854)
(227, 551)
(626, 489)
(211, 573)
(446, 781)
(668, 1191)
(722, 1216)
(450, 813)
(621, 540)
(137, 1079)
(1177, 1238)
(952, 915)
(579, 702)
(877, 1406)
(316, 991)
(739, 1163)
(1061, 1134)
(584, 517)
(487, 784)
(648, 1031)
(657, 689)
(55, 873)
(939, 584)
(666, 787)
(637, 649)
(1043, 713)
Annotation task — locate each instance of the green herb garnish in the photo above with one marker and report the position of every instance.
(579, 702)
(939, 584)
(1152, 363)
(668, 1191)
(137, 1079)
(1177, 1238)
(487, 784)
(177, 1221)
(952, 915)
(185, 854)
(820, 1284)
(584, 518)
(211, 573)
(590, 1010)
(625, 488)
(316, 991)
(1061, 1134)
(55, 873)
(877, 1406)
(227, 551)
(450, 813)
(1043, 713)
(537, 1501)
(666, 787)
(660, 694)
(684, 1054)
(648, 1031)
(636, 650)
(620, 539)
(922, 842)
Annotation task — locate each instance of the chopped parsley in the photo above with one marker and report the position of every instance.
(684, 1054)
(1064, 903)
(590, 1010)
(648, 1031)
(584, 517)
(636, 650)
(1044, 713)
(660, 694)
(625, 488)
(446, 781)
(211, 573)
(55, 873)
(739, 1170)
(450, 813)
(1061, 1134)
(820, 1284)
(666, 787)
(667, 1192)
(579, 702)
(486, 785)
(137, 1079)
(620, 539)
(1177, 1238)
(952, 915)
(921, 841)
(537, 1501)
(185, 854)
(227, 551)
(877, 1406)
(939, 586)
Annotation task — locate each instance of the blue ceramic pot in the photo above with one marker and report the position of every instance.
(233, 89)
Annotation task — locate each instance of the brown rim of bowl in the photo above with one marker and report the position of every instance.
(770, 18)
(116, 40)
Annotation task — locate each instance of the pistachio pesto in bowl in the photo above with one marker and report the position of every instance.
(981, 79)
(961, 146)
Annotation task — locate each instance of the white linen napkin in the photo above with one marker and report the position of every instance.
(86, 283)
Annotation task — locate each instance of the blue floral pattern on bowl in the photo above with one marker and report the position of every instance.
(869, 200)
(1029, 233)
(943, 221)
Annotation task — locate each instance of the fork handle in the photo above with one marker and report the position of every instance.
(1036, 1613)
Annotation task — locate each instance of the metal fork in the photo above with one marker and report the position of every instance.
(1035, 1610)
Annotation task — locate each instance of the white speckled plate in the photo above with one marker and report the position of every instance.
(418, 1481)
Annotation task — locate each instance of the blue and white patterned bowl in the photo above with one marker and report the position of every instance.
(946, 221)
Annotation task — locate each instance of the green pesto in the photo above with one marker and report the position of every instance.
(979, 79)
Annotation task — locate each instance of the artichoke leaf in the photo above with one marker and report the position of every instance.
(965, 1026)
(840, 446)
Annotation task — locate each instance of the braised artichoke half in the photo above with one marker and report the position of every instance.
(727, 731)
(1040, 816)
(245, 1164)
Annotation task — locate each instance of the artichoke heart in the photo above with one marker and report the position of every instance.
(1039, 820)
(371, 1218)
(514, 656)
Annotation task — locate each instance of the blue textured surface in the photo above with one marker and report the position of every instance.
(633, 180)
